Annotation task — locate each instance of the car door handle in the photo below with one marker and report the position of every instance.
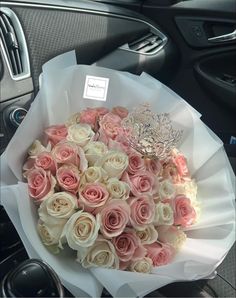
(223, 38)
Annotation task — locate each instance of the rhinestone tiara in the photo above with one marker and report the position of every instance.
(151, 134)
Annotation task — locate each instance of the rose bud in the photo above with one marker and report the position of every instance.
(40, 184)
(80, 134)
(45, 161)
(101, 254)
(143, 265)
(59, 206)
(93, 196)
(142, 211)
(68, 178)
(128, 246)
(114, 218)
(81, 230)
(184, 213)
(56, 133)
(160, 253)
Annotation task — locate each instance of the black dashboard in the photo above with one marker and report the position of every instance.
(34, 32)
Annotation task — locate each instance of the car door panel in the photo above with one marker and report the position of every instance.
(190, 24)
(91, 35)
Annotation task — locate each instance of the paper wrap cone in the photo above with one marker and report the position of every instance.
(208, 241)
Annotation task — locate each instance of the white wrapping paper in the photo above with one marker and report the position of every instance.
(208, 241)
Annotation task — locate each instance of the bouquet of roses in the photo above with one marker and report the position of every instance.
(116, 205)
(113, 185)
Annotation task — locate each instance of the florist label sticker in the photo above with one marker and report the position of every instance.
(96, 88)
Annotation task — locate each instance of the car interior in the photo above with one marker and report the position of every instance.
(188, 45)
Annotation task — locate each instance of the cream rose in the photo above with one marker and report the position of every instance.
(50, 234)
(188, 188)
(74, 119)
(36, 148)
(148, 235)
(172, 235)
(166, 190)
(164, 214)
(101, 254)
(118, 189)
(114, 163)
(143, 265)
(60, 205)
(94, 151)
(81, 230)
(93, 174)
(80, 134)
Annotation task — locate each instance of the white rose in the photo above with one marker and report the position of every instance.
(114, 163)
(93, 174)
(60, 205)
(81, 230)
(101, 254)
(74, 119)
(118, 189)
(50, 234)
(148, 235)
(94, 151)
(141, 266)
(166, 189)
(164, 214)
(36, 148)
(81, 134)
(188, 188)
(172, 235)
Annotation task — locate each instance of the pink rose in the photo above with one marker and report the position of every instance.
(170, 172)
(101, 111)
(160, 253)
(136, 163)
(40, 183)
(110, 117)
(67, 152)
(110, 127)
(56, 133)
(184, 213)
(128, 246)
(141, 183)
(45, 161)
(142, 211)
(153, 165)
(120, 111)
(92, 196)
(181, 165)
(89, 116)
(114, 218)
(68, 178)
(92, 116)
(28, 165)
